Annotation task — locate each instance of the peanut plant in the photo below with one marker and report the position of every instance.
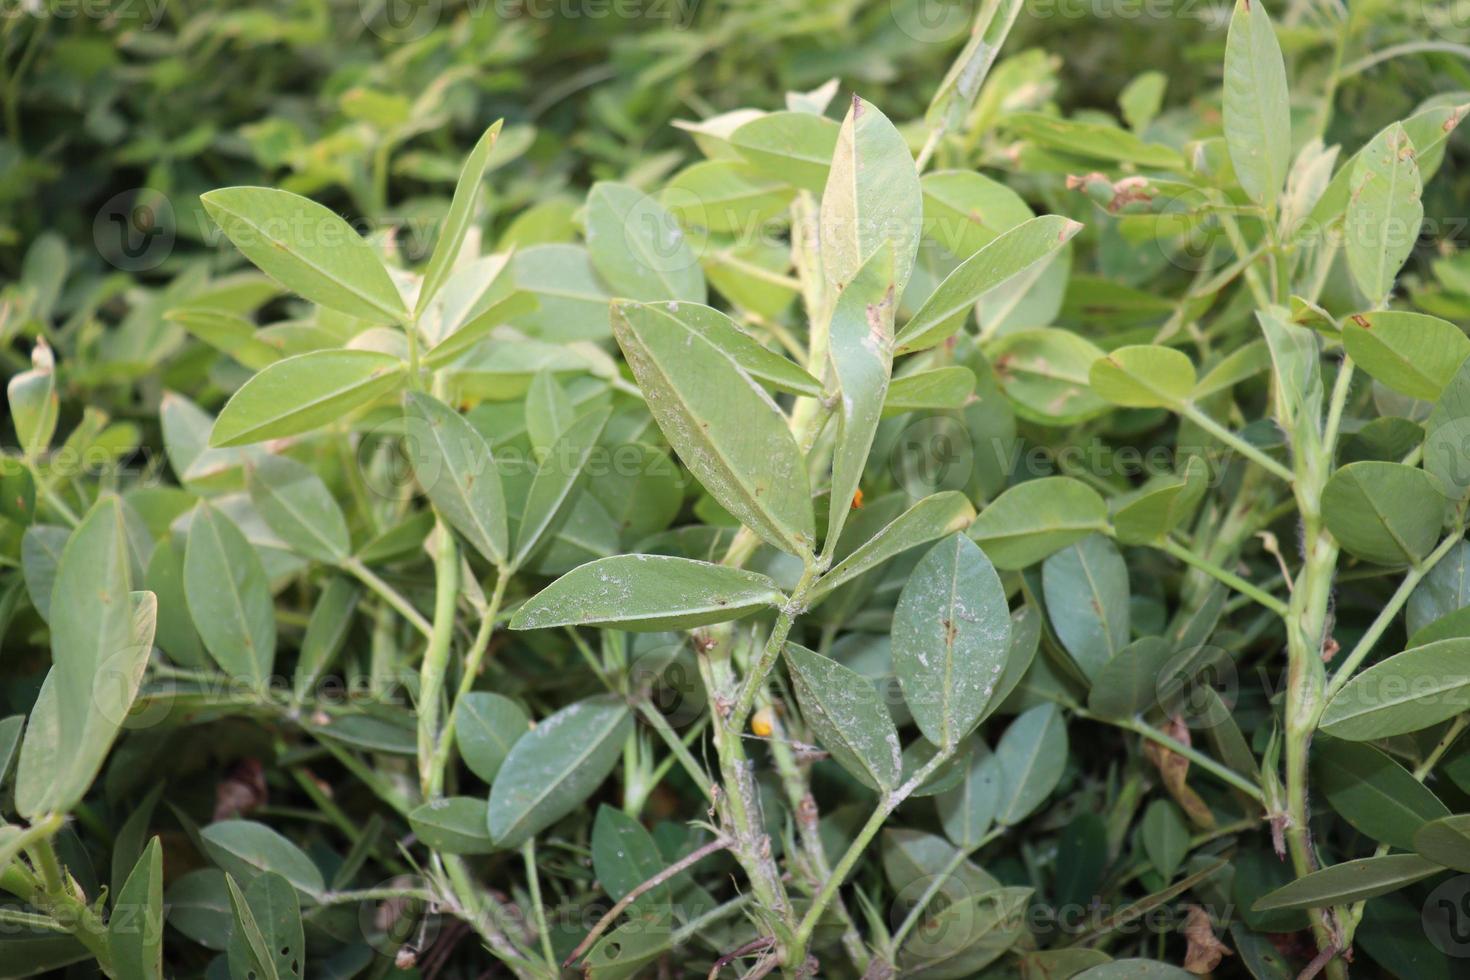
(987, 542)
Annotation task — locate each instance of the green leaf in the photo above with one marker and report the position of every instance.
(1445, 590)
(1031, 755)
(1351, 881)
(246, 849)
(1447, 435)
(1143, 376)
(558, 475)
(624, 856)
(40, 555)
(1091, 140)
(453, 825)
(862, 360)
(1445, 840)
(326, 633)
(33, 403)
(249, 953)
(135, 928)
(723, 425)
(1007, 256)
(967, 811)
(725, 195)
(951, 638)
(229, 597)
(1128, 684)
(629, 949)
(298, 507)
(912, 859)
(1257, 105)
(872, 201)
(964, 210)
(795, 147)
(647, 593)
(486, 726)
(1413, 353)
(1408, 692)
(1046, 375)
(456, 469)
(960, 939)
(844, 711)
(1373, 792)
(99, 651)
(548, 412)
(1384, 512)
(1429, 129)
(272, 932)
(933, 517)
(1165, 836)
(1038, 518)
(1160, 507)
(639, 248)
(303, 393)
(457, 221)
(198, 905)
(308, 249)
(937, 389)
(1087, 597)
(475, 300)
(229, 333)
(553, 768)
(1384, 213)
(766, 366)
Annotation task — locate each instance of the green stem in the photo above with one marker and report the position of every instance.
(389, 594)
(436, 656)
(1227, 577)
(488, 922)
(1389, 612)
(937, 882)
(855, 851)
(472, 661)
(538, 907)
(755, 681)
(1221, 772)
(1190, 411)
(676, 745)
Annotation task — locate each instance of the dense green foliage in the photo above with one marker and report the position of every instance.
(656, 488)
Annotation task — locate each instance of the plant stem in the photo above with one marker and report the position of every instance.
(1227, 577)
(755, 680)
(936, 883)
(1221, 772)
(676, 745)
(886, 805)
(1389, 612)
(436, 656)
(389, 594)
(1192, 412)
(678, 867)
(472, 662)
(538, 907)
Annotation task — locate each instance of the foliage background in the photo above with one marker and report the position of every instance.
(371, 112)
